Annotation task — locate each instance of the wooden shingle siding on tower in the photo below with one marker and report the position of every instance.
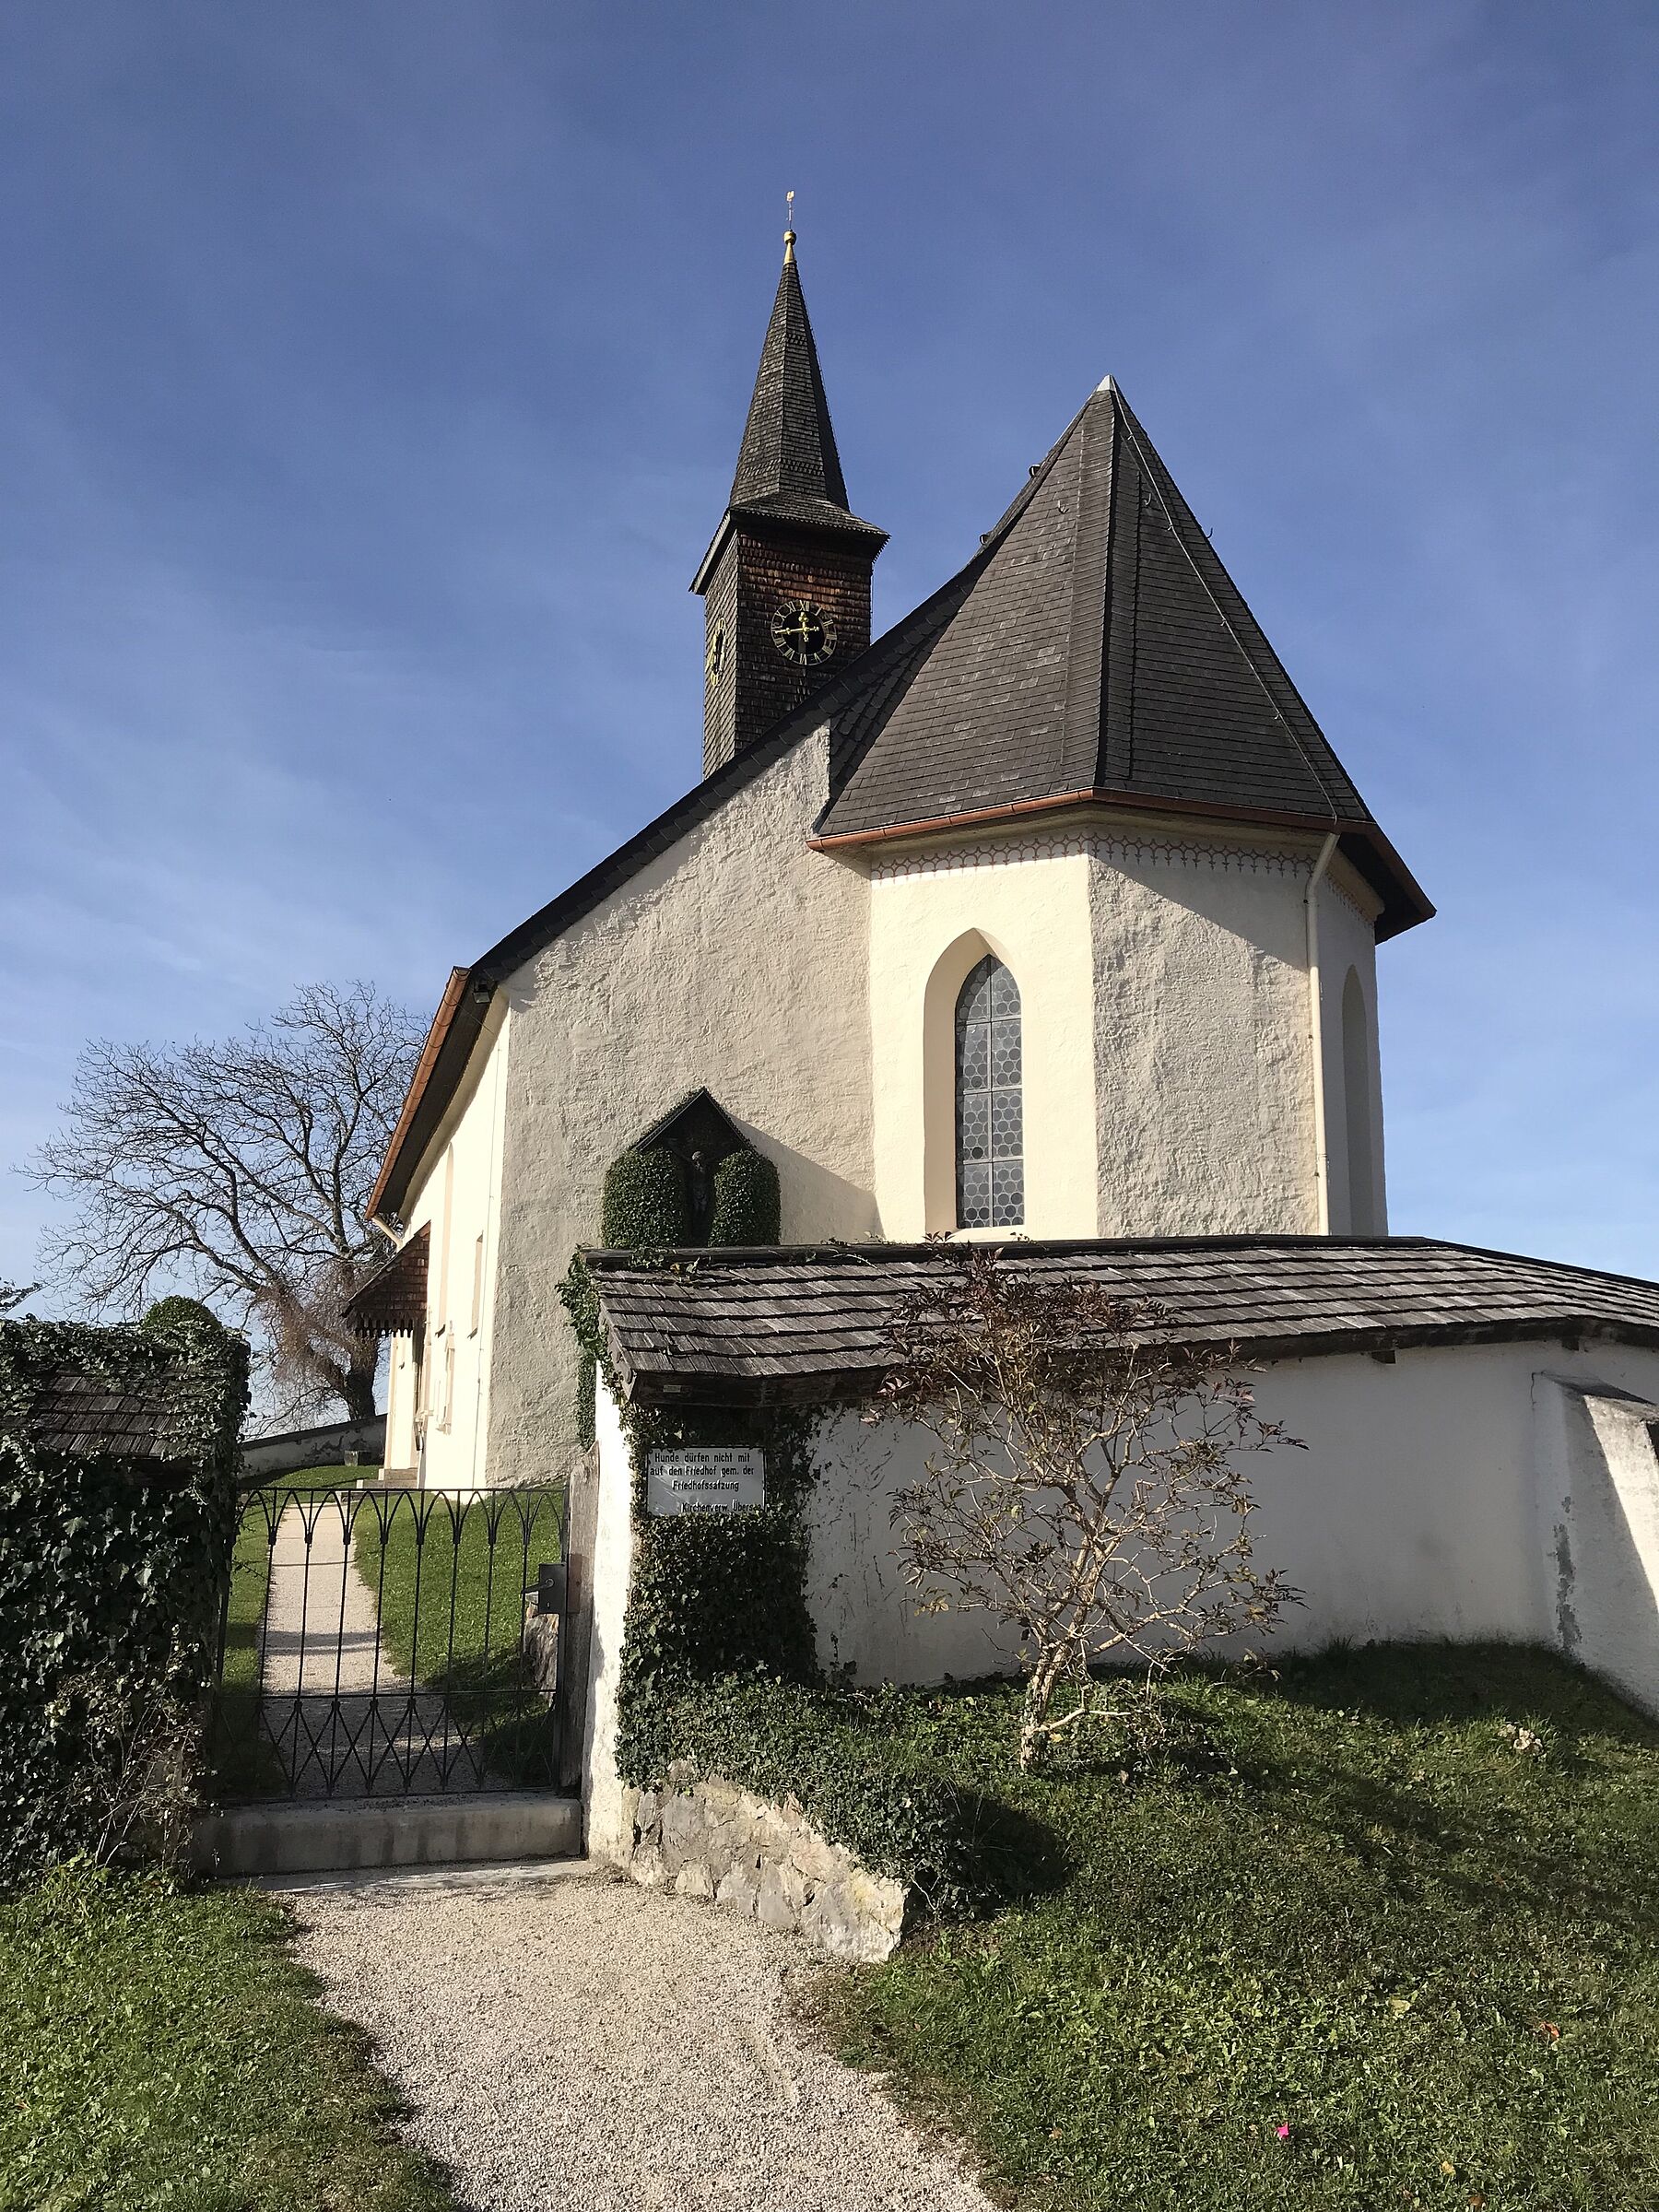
(787, 533)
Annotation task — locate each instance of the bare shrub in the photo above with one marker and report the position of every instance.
(1085, 1484)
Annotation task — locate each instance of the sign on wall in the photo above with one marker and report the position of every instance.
(705, 1480)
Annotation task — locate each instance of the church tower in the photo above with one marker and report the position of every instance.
(786, 583)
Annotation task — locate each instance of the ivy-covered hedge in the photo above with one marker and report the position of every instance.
(828, 1748)
(112, 1572)
(722, 1594)
(645, 1206)
(748, 1201)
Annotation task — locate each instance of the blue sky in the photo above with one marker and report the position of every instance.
(372, 376)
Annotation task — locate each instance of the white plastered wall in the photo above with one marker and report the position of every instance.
(1598, 1473)
(738, 960)
(1202, 1040)
(610, 1829)
(457, 1197)
(1348, 944)
(1428, 1504)
(1166, 1014)
(933, 918)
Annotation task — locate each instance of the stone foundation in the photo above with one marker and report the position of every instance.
(765, 1862)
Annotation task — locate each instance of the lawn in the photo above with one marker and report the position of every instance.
(1349, 1941)
(244, 1767)
(162, 2053)
(451, 1577)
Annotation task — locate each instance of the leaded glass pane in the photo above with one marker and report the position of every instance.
(1007, 1203)
(973, 1124)
(989, 1118)
(973, 1056)
(1004, 1124)
(975, 1002)
(973, 1195)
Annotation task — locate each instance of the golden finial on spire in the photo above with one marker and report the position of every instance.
(788, 228)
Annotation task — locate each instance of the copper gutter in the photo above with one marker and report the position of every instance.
(436, 1036)
(1412, 896)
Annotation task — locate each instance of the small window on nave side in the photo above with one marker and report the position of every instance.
(990, 1121)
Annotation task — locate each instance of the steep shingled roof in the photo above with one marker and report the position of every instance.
(809, 1323)
(930, 716)
(1103, 651)
(787, 465)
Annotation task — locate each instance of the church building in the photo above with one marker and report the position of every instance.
(1050, 914)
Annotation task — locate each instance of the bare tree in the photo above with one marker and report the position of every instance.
(1084, 1487)
(241, 1168)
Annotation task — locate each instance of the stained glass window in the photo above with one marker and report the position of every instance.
(990, 1140)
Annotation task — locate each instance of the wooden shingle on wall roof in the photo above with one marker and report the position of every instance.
(812, 1324)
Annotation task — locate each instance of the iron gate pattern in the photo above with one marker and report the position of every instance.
(387, 1643)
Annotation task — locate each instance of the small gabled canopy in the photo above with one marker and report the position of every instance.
(89, 1415)
(698, 1128)
(393, 1301)
(789, 473)
(1097, 650)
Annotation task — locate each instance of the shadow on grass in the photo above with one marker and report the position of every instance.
(1433, 1684)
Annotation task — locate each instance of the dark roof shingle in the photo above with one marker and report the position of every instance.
(1102, 650)
(90, 1418)
(810, 1322)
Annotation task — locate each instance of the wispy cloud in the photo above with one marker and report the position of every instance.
(372, 380)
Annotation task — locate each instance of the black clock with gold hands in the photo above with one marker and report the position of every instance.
(803, 633)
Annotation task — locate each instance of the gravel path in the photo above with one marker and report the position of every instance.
(576, 2045)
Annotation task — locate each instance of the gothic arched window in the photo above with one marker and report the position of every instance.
(990, 1138)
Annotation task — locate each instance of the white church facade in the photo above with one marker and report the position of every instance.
(1050, 915)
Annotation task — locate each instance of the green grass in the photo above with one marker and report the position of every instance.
(1338, 1902)
(162, 2053)
(436, 1550)
(242, 1766)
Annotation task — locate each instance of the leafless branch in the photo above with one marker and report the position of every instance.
(1084, 1483)
(241, 1169)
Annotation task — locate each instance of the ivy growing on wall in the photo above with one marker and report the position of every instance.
(113, 1568)
(747, 1202)
(720, 1667)
(646, 1206)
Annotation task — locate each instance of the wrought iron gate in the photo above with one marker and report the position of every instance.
(381, 1642)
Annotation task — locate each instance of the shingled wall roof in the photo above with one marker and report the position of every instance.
(89, 1417)
(809, 1323)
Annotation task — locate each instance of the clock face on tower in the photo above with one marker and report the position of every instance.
(803, 633)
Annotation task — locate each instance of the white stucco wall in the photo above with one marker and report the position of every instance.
(1428, 1503)
(1202, 1038)
(1599, 1496)
(456, 1195)
(738, 961)
(1167, 1025)
(610, 1827)
(1347, 939)
(932, 920)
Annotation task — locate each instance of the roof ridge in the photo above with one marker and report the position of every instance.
(1152, 466)
(788, 444)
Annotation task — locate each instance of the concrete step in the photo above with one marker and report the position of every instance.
(361, 1833)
